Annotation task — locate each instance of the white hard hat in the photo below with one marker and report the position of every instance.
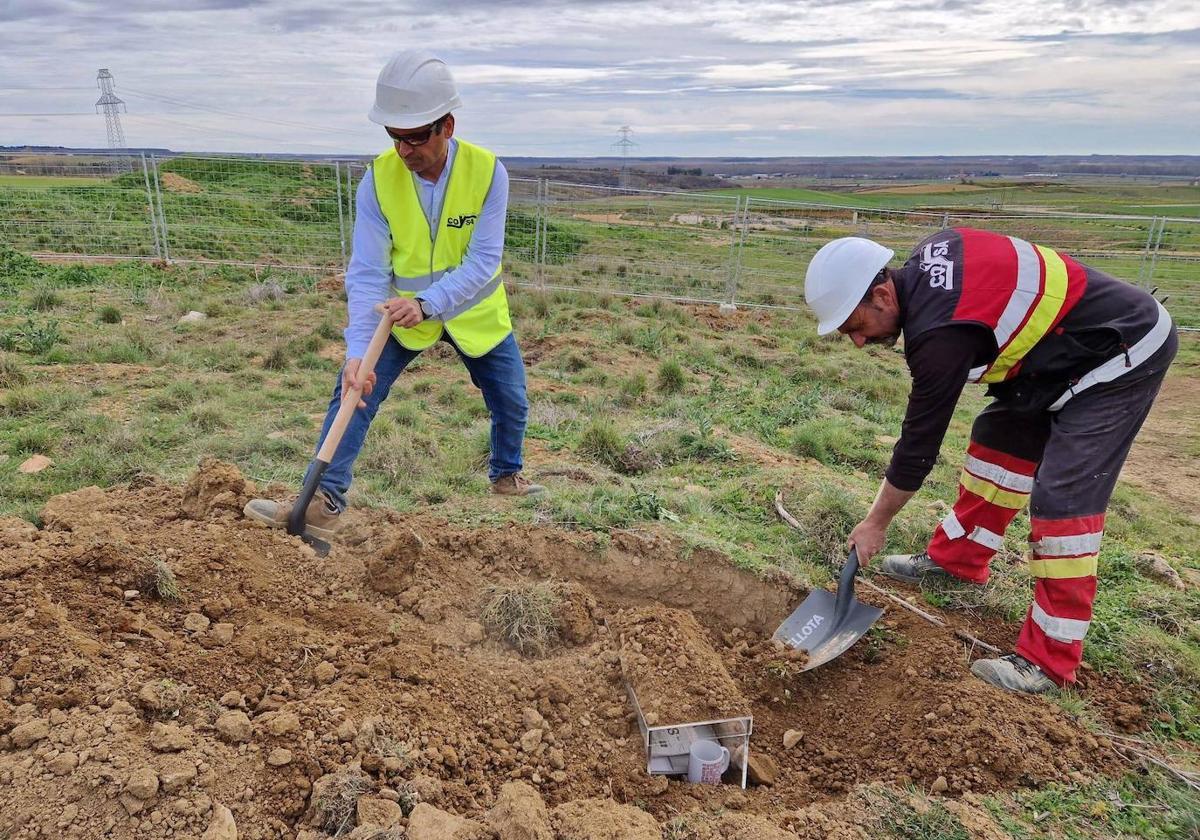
(414, 89)
(839, 276)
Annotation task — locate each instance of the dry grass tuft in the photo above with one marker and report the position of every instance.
(157, 579)
(336, 807)
(524, 615)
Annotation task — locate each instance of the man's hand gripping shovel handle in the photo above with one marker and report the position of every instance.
(329, 446)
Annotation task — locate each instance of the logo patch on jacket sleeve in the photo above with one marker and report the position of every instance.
(461, 220)
(935, 260)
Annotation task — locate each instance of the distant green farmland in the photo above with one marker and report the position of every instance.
(1101, 197)
(45, 182)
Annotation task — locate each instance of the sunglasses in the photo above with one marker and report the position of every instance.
(419, 137)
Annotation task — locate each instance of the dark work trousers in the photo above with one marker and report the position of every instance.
(1065, 465)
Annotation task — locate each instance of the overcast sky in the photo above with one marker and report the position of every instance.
(870, 77)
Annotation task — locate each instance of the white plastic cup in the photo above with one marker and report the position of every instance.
(707, 761)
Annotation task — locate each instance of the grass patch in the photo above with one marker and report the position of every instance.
(671, 377)
(602, 442)
(44, 299)
(909, 818)
(827, 513)
(12, 372)
(836, 443)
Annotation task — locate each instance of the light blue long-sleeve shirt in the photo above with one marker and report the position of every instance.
(369, 275)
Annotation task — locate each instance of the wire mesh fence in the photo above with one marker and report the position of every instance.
(704, 247)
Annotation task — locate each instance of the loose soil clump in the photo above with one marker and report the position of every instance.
(124, 714)
(674, 671)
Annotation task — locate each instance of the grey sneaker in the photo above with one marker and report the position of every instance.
(321, 520)
(1013, 672)
(516, 485)
(913, 568)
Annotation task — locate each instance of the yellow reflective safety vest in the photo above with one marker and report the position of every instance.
(422, 254)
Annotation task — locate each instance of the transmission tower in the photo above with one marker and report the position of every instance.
(112, 106)
(624, 144)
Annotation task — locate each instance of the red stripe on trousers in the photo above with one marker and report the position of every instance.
(1068, 527)
(964, 558)
(988, 277)
(1002, 459)
(1065, 598)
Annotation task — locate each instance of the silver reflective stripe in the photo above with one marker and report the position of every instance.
(974, 373)
(1029, 283)
(479, 298)
(952, 526)
(996, 474)
(416, 284)
(1075, 545)
(1060, 629)
(1115, 367)
(987, 538)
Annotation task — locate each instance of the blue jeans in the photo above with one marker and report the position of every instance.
(499, 374)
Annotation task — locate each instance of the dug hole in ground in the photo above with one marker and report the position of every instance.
(173, 670)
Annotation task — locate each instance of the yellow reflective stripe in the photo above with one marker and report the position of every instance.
(1064, 567)
(1044, 314)
(991, 493)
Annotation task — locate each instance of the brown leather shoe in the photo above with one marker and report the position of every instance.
(321, 519)
(516, 485)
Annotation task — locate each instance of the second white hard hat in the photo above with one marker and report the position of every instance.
(414, 89)
(838, 277)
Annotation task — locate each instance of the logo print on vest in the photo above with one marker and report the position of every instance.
(940, 267)
(461, 221)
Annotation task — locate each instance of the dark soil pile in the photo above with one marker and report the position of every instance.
(302, 697)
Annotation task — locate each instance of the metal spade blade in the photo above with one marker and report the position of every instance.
(827, 625)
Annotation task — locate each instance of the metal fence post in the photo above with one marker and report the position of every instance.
(1162, 226)
(1143, 277)
(150, 208)
(337, 177)
(539, 233)
(162, 218)
(734, 255)
(737, 264)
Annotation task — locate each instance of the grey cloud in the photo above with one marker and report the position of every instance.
(15, 10)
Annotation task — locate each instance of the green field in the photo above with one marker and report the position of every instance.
(644, 415)
(1109, 196)
(678, 245)
(45, 182)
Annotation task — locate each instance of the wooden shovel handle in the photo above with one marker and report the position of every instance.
(350, 398)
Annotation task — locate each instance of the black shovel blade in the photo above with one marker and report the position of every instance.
(827, 625)
(320, 547)
(296, 525)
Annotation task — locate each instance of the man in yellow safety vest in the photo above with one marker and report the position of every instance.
(428, 240)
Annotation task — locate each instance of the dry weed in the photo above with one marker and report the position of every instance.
(336, 807)
(524, 614)
(157, 579)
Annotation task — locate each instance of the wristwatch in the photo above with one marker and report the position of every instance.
(426, 308)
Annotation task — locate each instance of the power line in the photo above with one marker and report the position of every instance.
(222, 131)
(225, 112)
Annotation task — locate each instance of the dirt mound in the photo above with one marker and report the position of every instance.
(274, 677)
(677, 676)
(173, 182)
